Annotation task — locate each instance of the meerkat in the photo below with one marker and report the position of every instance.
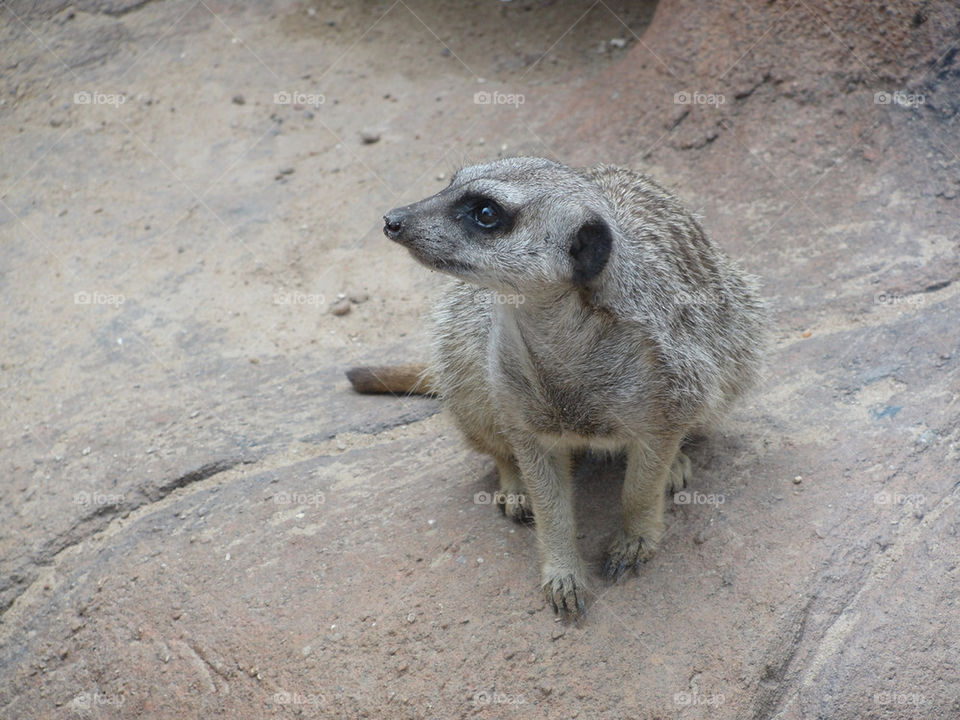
(587, 310)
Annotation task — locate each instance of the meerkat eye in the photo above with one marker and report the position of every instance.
(486, 214)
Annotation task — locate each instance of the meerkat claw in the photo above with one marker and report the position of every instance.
(517, 508)
(565, 594)
(625, 553)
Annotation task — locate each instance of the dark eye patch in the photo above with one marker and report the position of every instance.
(483, 214)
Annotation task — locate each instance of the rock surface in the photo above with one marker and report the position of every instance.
(199, 518)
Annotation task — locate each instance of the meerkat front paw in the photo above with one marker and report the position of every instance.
(681, 472)
(565, 592)
(625, 552)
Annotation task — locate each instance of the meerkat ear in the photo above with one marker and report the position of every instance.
(590, 250)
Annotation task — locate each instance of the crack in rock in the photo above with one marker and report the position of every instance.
(113, 8)
(98, 518)
(773, 685)
(201, 473)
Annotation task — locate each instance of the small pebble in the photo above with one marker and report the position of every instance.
(286, 171)
(239, 100)
(369, 136)
(798, 479)
(359, 298)
(341, 307)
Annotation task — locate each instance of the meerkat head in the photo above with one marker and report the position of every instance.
(514, 224)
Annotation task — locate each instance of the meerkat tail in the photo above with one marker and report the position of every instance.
(411, 379)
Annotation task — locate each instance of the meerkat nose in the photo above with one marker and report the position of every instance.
(392, 223)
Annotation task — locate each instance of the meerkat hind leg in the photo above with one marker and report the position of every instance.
(649, 471)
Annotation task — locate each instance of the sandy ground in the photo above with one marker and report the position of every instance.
(200, 518)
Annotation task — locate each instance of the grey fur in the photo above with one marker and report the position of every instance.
(596, 314)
